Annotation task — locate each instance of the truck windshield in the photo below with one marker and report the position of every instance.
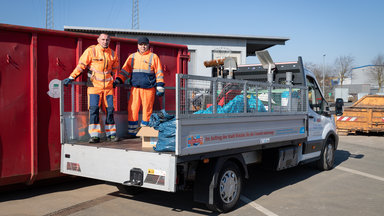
(316, 101)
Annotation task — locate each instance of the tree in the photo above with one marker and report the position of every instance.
(377, 71)
(316, 69)
(344, 66)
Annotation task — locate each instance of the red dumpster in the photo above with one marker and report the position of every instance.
(32, 63)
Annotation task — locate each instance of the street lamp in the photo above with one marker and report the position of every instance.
(323, 73)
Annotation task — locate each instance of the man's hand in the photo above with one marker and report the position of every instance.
(67, 81)
(160, 91)
(117, 81)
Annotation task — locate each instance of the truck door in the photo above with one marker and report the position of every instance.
(316, 119)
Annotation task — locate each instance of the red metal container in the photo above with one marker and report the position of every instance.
(32, 62)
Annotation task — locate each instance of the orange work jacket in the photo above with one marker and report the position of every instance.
(102, 64)
(143, 70)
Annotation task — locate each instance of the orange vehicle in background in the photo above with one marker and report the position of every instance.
(365, 115)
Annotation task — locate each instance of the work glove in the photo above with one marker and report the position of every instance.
(117, 81)
(160, 91)
(68, 81)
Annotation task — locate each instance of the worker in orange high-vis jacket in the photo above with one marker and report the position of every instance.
(102, 63)
(144, 73)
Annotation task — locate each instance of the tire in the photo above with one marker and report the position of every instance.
(228, 188)
(327, 159)
(130, 190)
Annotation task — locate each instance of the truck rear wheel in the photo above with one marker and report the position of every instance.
(327, 159)
(228, 188)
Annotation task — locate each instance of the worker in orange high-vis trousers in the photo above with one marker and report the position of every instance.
(102, 63)
(144, 73)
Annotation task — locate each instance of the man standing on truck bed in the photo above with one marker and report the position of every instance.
(144, 72)
(102, 63)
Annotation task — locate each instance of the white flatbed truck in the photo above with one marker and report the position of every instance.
(213, 149)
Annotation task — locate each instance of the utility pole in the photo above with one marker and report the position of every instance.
(323, 73)
(49, 14)
(135, 14)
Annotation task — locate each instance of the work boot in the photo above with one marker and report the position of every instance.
(94, 140)
(113, 139)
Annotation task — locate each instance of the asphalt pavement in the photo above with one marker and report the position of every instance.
(354, 187)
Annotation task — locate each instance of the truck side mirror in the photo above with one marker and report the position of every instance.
(339, 106)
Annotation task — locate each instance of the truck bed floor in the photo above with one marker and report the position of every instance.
(126, 144)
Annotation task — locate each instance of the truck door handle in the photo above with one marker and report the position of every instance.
(311, 116)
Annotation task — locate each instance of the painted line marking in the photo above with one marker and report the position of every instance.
(257, 206)
(360, 173)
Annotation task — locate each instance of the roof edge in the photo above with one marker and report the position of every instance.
(189, 34)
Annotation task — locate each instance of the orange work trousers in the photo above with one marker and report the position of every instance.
(140, 97)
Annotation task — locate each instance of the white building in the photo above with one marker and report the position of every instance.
(202, 47)
(362, 75)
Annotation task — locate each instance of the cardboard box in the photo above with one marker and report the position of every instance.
(148, 137)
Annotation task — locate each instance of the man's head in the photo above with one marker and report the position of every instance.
(104, 40)
(143, 44)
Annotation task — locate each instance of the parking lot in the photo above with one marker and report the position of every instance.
(354, 187)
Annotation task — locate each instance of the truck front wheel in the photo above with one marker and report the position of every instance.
(228, 188)
(327, 160)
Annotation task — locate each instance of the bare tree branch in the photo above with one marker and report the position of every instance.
(344, 66)
(377, 71)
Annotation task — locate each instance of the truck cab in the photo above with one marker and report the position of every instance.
(321, 128)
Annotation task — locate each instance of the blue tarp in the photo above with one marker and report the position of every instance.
(236, 105)
(166, 125)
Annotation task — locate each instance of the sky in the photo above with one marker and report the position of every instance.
(318, 31)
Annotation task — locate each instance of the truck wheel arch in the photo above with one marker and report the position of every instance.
(329, 147)
(332, 135)
(207, 176)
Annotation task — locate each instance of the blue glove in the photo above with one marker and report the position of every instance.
(160, 91)
(67, 81)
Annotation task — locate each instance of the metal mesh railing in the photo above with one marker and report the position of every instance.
(75, 114)
(211, 97)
